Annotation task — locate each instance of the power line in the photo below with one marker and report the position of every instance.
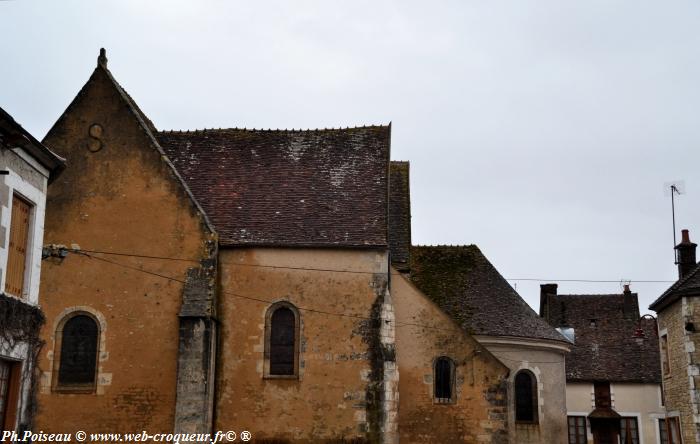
(265, 301)
(334, 270)
(309, 310)
(225, 292)
(143, 256)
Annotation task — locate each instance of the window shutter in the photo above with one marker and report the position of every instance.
(17, 251)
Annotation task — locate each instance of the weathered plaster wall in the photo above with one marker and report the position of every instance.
(116, 195)
(642, 401)
(478, 413)
(337, 394)
(546, 362)
(28, 179)
(682, 382)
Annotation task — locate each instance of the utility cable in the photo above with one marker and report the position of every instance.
(309, 310)
(332, 270)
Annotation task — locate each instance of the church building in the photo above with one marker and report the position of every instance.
(263, 280)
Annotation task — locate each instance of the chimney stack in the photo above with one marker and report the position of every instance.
(546, 291)
(631, 307)
(685, 255)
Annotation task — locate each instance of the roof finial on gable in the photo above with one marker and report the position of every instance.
(102, 59)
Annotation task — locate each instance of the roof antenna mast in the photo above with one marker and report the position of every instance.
(673, 188)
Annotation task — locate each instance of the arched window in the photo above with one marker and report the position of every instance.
(443, 380)
(525, 397)
(78, 353)
(282, 341)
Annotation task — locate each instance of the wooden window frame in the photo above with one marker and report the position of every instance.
(577, 429)
(665, 358)
(452, 380)
(602, 394)
(8, 420)
(87, 388)
(624, 427)
(268, 333)
(22, 292)
(534, 401)
(669, 436)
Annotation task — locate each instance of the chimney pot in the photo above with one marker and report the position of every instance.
(685, 255)
(546, 290)
(630, 304)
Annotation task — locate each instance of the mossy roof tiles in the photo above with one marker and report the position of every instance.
(463, 283)
(288, 187)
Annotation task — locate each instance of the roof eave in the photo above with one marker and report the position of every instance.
(47, 158)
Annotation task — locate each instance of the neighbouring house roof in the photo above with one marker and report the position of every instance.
(605, 348)
(688, 286)
(464, 284)
(13, 135)
(288, 188)
(399, 215)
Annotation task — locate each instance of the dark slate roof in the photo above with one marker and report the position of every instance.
(12, 134)
(288, 188)
(463, 283)
(608, 350)
(688, 286)
(399, 215)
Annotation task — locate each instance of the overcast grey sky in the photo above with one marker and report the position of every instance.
(542, 131)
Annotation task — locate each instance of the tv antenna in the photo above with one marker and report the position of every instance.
(672, 188)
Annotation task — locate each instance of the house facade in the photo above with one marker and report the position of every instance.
(613, 377)
(678, 310)
(26, 167)
(245, 279)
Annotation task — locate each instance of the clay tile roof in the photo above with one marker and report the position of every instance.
(399, 215)
(467, 286)
(288, 188)
(605, 348)
(689, 285)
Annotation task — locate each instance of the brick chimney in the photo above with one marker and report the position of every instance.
(631, 306)
(546, 291)
(685, 255)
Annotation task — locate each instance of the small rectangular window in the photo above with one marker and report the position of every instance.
(17, 251)
(443, 379)
(602, 394)
(670, 431)
(665, 362)
(629, 433)
(577, 429)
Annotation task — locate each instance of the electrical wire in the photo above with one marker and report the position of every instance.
(333, 270)
(305, 309)
(311, 310)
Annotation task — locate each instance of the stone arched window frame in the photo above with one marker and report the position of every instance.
(58, 344)
(268, 334)
(533, 398)
(452, 380)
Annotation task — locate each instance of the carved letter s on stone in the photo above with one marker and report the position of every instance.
(95, 141)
